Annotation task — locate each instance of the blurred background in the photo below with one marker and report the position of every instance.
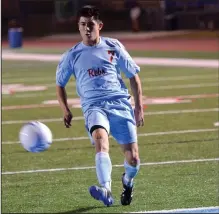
(59, 16)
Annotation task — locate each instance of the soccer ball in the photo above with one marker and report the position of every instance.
(35, 136)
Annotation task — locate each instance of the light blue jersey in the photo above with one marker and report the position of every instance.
(97, 71)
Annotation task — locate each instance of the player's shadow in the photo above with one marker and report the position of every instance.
(85, 209)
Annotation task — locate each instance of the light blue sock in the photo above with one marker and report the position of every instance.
(130, 173)
(103, 169)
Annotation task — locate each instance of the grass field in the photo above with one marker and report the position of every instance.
(178, 144)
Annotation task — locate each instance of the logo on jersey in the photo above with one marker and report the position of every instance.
(96, 72)
(111, 53)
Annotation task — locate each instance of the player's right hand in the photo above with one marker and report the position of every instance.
(139, 116)
(67, 118)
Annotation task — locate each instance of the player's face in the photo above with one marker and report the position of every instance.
(89, 29)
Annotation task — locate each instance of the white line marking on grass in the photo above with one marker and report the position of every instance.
(182, 111)
(166, 87)
(28, 80)
(177, 62)
(31, 57)
(9, 122)
(197, 96)
(161, 79)
(139, 60)
(28, 106)
(139, 135)
(30, 95)
(177, 132)
(93, 167)
(146, 113)
(182, 210)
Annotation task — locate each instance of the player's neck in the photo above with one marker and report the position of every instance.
(92, 42)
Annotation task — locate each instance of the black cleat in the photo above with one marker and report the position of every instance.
(127, 193)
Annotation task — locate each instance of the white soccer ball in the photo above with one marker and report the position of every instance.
(35, 136)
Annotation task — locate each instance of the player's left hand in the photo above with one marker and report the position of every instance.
(139, 116)
(67, 118)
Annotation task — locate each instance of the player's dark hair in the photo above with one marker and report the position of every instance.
(89, 11)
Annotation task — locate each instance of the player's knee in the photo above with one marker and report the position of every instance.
(100, 138)
(133, 159)
(99, 134)
(132, 155)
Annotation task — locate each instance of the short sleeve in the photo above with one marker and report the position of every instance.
(64, 70)
(126, 63)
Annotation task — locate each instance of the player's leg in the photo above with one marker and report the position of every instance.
(125, 134)
(102, 158)
(131, 165)
(98, 127)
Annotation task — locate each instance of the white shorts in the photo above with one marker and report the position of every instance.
(116, 117)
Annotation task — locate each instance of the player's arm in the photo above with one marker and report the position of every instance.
(62, 98)
(63, 73)
(136, 88)
(130, 69)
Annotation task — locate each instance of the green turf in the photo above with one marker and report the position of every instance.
(163, 187)
(158, 187)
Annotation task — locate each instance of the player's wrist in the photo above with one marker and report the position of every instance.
(139, 106)
(66, 109)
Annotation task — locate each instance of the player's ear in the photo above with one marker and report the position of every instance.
(100, 25)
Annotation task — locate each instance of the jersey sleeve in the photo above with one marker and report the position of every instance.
(126, 63)
(64, 70)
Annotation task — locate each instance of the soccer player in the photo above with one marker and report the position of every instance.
(96, 64)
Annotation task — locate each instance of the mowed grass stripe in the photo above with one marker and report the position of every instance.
(152, 88)
(139, 135)
(147, 74)
(10, 122)
(121, 165)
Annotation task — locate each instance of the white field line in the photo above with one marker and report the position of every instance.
(166, 87)
(139, 60)
(175, 78)
(177, 62)
(156, 88)
(93, 167)
(149, 79)
(29, 95)
(9, 122)
(139, 135)
(184, 210)
(28, 80)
